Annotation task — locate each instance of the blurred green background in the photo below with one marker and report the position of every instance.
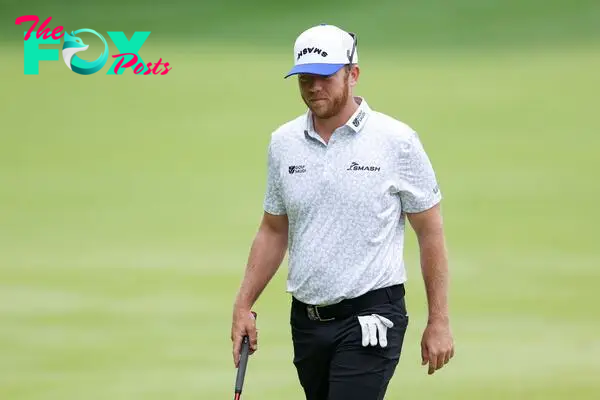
(128, 203)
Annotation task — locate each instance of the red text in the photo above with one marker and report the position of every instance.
(41, 31)
(139, 68)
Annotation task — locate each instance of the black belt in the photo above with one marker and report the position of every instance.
(348, 307)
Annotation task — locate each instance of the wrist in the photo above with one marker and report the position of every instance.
(241, 306)
(436, 319)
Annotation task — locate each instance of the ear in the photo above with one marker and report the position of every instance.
(354, 74)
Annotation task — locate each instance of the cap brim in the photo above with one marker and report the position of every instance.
(315, 69)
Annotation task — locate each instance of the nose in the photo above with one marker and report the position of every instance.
(315, 87)
(314, 83)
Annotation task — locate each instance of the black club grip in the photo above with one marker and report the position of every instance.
(241, 373)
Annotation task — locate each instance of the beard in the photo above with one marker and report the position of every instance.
(331, 106)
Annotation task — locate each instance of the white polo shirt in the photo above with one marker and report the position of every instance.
(346, 200)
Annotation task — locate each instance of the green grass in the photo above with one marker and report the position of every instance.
(128, 205)
(395, 24)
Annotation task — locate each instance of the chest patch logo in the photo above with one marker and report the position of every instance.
(296, 169)
(357, 167)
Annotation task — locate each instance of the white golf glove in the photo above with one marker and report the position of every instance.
(371, 326)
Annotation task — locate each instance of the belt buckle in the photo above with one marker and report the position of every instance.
(313, 314)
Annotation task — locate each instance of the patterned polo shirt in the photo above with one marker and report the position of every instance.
(346, 202)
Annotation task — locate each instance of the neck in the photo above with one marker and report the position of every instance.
(325, 126)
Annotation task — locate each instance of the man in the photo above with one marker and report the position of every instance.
(342, 180)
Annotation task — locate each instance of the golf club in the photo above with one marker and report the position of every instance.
(241, 372)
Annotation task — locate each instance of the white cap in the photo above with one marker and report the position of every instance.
(323, 50)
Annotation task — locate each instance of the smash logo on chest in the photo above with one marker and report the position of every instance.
(357, 167)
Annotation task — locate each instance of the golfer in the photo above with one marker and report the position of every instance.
(343, 180)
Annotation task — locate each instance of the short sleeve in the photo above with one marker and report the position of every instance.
(273, 200)
(419, 186)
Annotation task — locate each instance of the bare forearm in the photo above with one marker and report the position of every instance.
(434, 266)
(437, 346)
(266, 255)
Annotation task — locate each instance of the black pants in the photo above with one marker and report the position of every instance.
(329, 357)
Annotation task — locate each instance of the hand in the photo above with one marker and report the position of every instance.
(243, 324)
(371, 325)
(437, 345)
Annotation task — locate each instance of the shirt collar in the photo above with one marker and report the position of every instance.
(360, 116)
(354, 124)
